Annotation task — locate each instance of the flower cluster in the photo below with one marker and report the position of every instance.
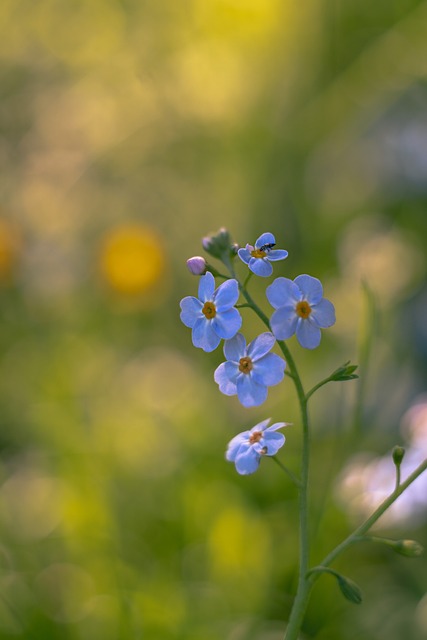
(299, 309)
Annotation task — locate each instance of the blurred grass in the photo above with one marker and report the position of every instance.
(128, 131)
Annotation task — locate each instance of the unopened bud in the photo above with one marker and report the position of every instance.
(409, 548)
(398, 454)
(218, 244)
(197, 265)
(350, 590)
(345, 372)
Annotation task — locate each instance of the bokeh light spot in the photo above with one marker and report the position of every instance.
(64, 591)
(132, 259)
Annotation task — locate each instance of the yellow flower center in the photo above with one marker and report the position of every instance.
(255, 437)
(245, 365)
(257, 253)
(209, 310)
(303, 309)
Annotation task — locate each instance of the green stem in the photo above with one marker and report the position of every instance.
(398, 477)
(287, 471)
(369, 522)
(317, 386)
(304, 587)
(248, 277)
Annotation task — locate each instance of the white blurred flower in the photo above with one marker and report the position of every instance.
(366, 481)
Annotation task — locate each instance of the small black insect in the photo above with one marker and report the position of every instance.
(267, 246)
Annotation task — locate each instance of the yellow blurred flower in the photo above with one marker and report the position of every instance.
(132, 259)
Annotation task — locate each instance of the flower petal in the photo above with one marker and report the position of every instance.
(261, 267)
(283, 291)
(273, 442)
(235, 348)
(308, 334)
(284, 322)
(237, 443)
(247, 462)
(266, 238)
(245, 254)
(227, 323)
(226, 295)
(261, 345)
(310, 287)
(277, 254)
(204, 337)
(277, 425)
(270, 370)
(261, 426)
(323, 313)
(191, 311)
(206, 287)
(226, 377)
(249, 392)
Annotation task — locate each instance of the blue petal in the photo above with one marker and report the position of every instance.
(277, 425)
(273, 442)
(261, 267)
(266, 238)
(240, 442)
(249, 392)
(191, 311)
(323, 313)
(235, 348)
(247, 462)
(227, 323)
(284, 322)
(311, 288)
(226, 376)
(277, 254)
(270, 370)
(245, 254)
(206, 287)
(283, 291)
(204, 336)
(261, 345)
(226, 295)
(261, 426)
(308, 334)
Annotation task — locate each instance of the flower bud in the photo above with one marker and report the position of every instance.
(398, 454)
(218, 244)
(197, 265)
(409, 548)
(345, 372)
(350, 590)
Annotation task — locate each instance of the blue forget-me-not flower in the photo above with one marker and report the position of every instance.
(249, 370)
(246, 449)
(301, 309)
(258, 258)
(212, 315)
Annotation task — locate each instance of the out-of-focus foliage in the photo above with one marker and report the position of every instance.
(128, 130)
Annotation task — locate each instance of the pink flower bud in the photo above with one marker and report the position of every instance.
(197, 265)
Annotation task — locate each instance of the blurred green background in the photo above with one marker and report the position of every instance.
(129, 130)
